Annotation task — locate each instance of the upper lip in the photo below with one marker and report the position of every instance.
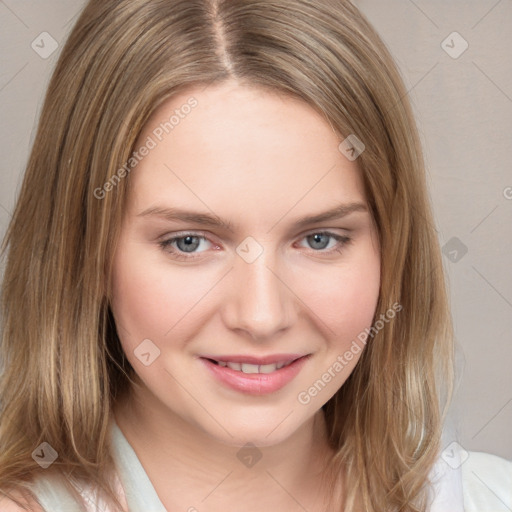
(270, 359)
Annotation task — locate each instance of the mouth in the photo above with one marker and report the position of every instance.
(255, 375)
(251, 368)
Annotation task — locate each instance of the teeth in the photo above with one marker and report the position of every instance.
(253, 368)
(268, 368)
(250, 368)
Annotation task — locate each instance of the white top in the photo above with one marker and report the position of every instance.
(464, 482)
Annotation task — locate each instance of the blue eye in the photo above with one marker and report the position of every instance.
(321, 240)
(184, 247)
(186, 244)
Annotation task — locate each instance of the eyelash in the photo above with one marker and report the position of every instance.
(342, 241)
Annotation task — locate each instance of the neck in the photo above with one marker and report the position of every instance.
(188, 468)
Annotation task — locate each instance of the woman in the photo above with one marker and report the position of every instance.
(224, 288)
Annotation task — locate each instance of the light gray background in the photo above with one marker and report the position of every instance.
(464, 112)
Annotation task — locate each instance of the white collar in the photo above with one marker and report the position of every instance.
(447, 485)
(139, 491)
(141, 495)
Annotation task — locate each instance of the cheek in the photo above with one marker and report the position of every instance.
(150, 299)
(344, 299)
(345, 307)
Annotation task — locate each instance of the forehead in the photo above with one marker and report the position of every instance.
(242, 146)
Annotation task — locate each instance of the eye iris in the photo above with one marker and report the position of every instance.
(189, 245)
(316, 238)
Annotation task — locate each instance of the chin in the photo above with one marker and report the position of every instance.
(263, 430)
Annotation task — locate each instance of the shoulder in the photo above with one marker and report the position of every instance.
(487, 483)
(28, 505)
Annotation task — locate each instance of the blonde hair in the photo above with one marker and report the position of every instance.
(63, 366)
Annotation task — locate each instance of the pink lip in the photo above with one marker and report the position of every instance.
(256, 383)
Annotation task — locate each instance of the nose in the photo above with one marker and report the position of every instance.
(259, 301)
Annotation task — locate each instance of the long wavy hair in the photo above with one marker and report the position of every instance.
(63, 366)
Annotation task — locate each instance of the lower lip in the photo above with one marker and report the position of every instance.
(256, 383)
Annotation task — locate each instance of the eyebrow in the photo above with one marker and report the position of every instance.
(206, 219)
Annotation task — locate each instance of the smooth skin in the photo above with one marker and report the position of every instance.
(260, 161)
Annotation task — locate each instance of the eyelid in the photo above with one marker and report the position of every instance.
(165, 242)
(183, 234)
(208, 235)
(342, 241)
(333, 231)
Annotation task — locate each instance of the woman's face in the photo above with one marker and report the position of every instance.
(216, 262)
